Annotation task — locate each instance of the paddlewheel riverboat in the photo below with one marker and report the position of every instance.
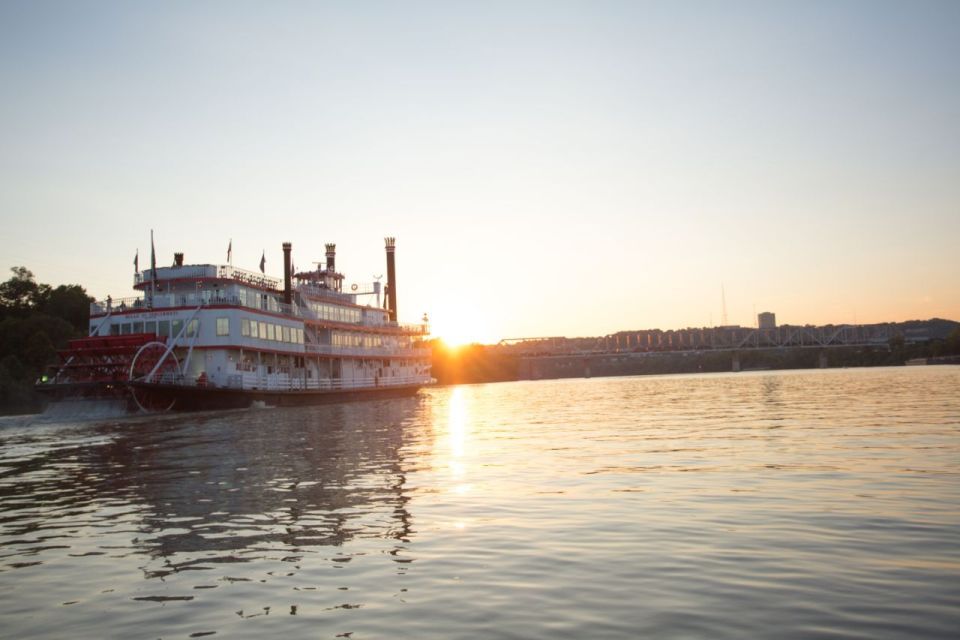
(206, 336)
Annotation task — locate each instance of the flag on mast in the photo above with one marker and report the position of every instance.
(153, 269)
(136, 262)
(153, 258)
(263, 262)
(230, 252)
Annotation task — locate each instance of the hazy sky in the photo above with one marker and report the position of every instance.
(548, 168)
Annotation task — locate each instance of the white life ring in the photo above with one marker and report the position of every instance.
(353, 287)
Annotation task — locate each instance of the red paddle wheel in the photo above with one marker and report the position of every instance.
(102, 367)
(153, 363)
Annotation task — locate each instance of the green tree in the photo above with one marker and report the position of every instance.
(35, 321)
(20, 293)
(69, 302)
(952, 343)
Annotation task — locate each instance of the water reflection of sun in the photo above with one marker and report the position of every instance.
(457, 430)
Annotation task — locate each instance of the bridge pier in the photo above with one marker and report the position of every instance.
(735, 365)
(529, 369)
(823, 360)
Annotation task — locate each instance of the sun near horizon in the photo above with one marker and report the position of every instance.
(457, 327)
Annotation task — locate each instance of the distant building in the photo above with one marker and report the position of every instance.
(767, 320)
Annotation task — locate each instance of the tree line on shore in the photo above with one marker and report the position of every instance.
(35, 320)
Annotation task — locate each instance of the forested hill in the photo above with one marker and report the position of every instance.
(35, 320)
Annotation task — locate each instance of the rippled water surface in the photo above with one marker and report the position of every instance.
(786, 504)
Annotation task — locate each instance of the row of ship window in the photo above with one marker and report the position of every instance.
(323, 310)
(169, 328)
(244, 297)
(266, 331)
(257, 300)
(336, 313)
(347, 339)
(248, 329)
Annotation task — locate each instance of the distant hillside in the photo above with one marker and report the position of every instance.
(933, 329)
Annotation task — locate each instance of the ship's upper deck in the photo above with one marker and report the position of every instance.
(316, 296)
(210, 285)
(190, 273)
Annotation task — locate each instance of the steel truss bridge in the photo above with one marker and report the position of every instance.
(708, 339)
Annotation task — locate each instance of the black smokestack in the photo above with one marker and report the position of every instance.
(287, 297)
(391, 278)
(331, 257)
(178, 259)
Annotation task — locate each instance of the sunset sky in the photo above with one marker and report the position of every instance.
(548, 168)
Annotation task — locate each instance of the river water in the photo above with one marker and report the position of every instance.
(776, 504)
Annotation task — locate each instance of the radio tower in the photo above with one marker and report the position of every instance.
(723, 302)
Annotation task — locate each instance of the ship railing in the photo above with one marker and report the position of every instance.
(179, 273)
(417, 328)
(370, 352)
(191, 300)
(208, 298)
(169, 378)
(421, 329)
(297, 381)
(101, 307)
(313, 291)
(227, 272)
